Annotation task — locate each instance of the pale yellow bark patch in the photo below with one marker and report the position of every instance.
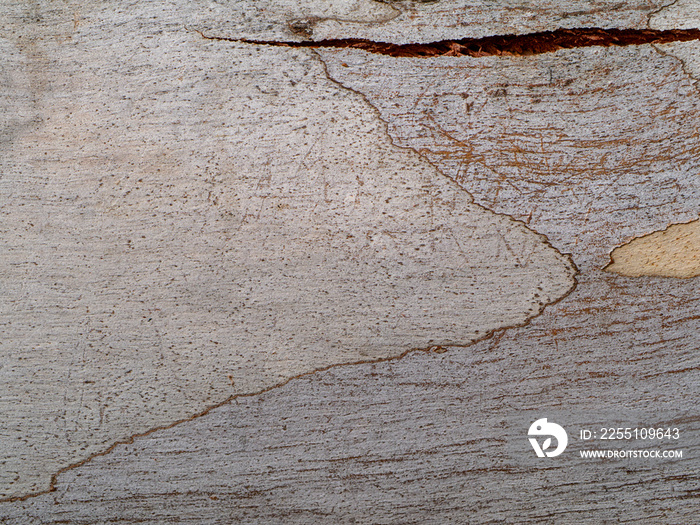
(674, 252)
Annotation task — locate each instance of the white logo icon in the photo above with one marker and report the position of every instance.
(542, 428)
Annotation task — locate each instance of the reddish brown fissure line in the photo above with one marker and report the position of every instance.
(515, 45)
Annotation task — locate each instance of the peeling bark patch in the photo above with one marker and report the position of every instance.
(673, 252)
(508, 45)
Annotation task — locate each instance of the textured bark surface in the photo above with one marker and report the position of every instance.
(591, 148)
(172, 240)
(432, 438)
(412, 21)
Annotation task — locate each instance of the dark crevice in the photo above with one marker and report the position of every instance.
(513, 45)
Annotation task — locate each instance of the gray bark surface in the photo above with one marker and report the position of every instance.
(589, 148)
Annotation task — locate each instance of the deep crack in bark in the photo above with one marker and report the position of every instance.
(513, 45)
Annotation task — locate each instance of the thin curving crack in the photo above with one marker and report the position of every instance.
(659, 10)
(683, 64)
(511, 45)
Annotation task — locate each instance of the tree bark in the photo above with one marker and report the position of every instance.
(259, 283)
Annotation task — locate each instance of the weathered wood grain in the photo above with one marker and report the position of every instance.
(591, 147)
